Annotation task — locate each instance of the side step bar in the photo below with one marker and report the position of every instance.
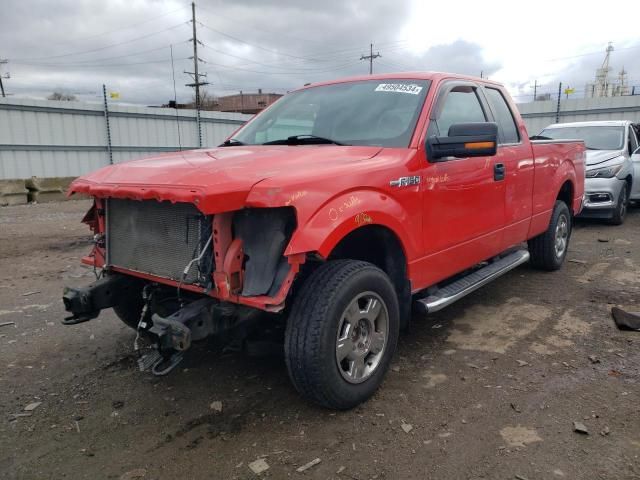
(445, 296)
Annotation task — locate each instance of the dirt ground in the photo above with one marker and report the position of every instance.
(488, 388)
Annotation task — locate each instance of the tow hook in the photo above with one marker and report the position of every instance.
(85, 303)
(173, 335)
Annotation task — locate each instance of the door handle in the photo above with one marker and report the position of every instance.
(499, 171)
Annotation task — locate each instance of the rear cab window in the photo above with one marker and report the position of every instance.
(507, 128)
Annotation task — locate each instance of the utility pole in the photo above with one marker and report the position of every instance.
(535, 90)
(106, 119)
(2, 62)
(196, 76)
(558, 106)
(370, 57)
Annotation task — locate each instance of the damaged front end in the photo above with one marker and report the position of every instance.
(178, 275)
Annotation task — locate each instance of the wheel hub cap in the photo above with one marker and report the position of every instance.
(561, 236)
(362, 337)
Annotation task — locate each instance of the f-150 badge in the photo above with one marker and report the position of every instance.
(405, 181)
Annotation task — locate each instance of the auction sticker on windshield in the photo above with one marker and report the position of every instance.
(399, 88)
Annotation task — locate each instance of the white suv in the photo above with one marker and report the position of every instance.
(613, 161)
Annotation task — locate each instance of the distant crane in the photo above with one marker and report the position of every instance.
(602, 84)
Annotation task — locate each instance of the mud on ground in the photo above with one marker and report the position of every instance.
(488, 388)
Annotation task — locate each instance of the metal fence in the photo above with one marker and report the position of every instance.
(45, 138)
(538, 115)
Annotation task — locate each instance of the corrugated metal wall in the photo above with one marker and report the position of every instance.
(63, 139)
(538, 115)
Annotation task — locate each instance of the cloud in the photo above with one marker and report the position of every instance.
(76, 46)
(458, 57)
(579, 70)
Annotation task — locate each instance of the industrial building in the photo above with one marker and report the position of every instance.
(251, 103)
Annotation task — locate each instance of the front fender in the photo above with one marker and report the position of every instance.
(349, 211)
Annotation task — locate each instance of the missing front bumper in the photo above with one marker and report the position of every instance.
(85, 303)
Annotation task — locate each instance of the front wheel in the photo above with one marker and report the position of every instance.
(549, 249)
(342, 333)
(620, 213)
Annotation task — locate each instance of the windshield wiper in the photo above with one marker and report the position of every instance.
(231, 142)
(302, 140)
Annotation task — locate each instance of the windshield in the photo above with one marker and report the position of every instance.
(595, 138)
(371, 112)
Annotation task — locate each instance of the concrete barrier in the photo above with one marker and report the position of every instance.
(42, 190)
(13, 192)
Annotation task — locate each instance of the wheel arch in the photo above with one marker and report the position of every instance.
(345, 213)
(566, 194)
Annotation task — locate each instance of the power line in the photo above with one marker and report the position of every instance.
(97, 65)
(175, 97)
(230, 67)
(273, 32)
(293, 69)
(265, 49)
(93, 60)
(106, 46)
(590, 53)
(76, 40)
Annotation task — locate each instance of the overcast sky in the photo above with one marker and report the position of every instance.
(75, 46)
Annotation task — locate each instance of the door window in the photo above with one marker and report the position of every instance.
(633, 142)
(461, 105)
(508, 130)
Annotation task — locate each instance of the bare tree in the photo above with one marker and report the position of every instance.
(62, 97)
(208, 101)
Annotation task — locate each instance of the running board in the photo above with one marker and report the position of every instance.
(453, 292)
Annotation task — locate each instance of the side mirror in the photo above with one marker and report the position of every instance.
(465, 140)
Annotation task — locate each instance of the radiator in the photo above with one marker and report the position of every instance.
(159, 238)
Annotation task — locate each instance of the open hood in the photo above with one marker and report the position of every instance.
(216, 179)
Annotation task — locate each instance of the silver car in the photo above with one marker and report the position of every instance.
(613, 162)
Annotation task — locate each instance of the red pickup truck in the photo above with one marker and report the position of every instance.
(332, 214)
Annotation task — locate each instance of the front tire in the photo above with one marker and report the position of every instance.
(549, 249)
(620, 213)
(342, 333)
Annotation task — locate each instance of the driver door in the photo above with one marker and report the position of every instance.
(463, 198)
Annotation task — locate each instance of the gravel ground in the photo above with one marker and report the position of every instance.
(488, 388)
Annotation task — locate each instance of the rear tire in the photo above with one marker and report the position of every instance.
(549, 249)
(620, 213)
(342, 333)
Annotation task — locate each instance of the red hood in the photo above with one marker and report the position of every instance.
(215, 180)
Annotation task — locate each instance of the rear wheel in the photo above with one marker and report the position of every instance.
(549, 249)
(342, 333)
(620, 213)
